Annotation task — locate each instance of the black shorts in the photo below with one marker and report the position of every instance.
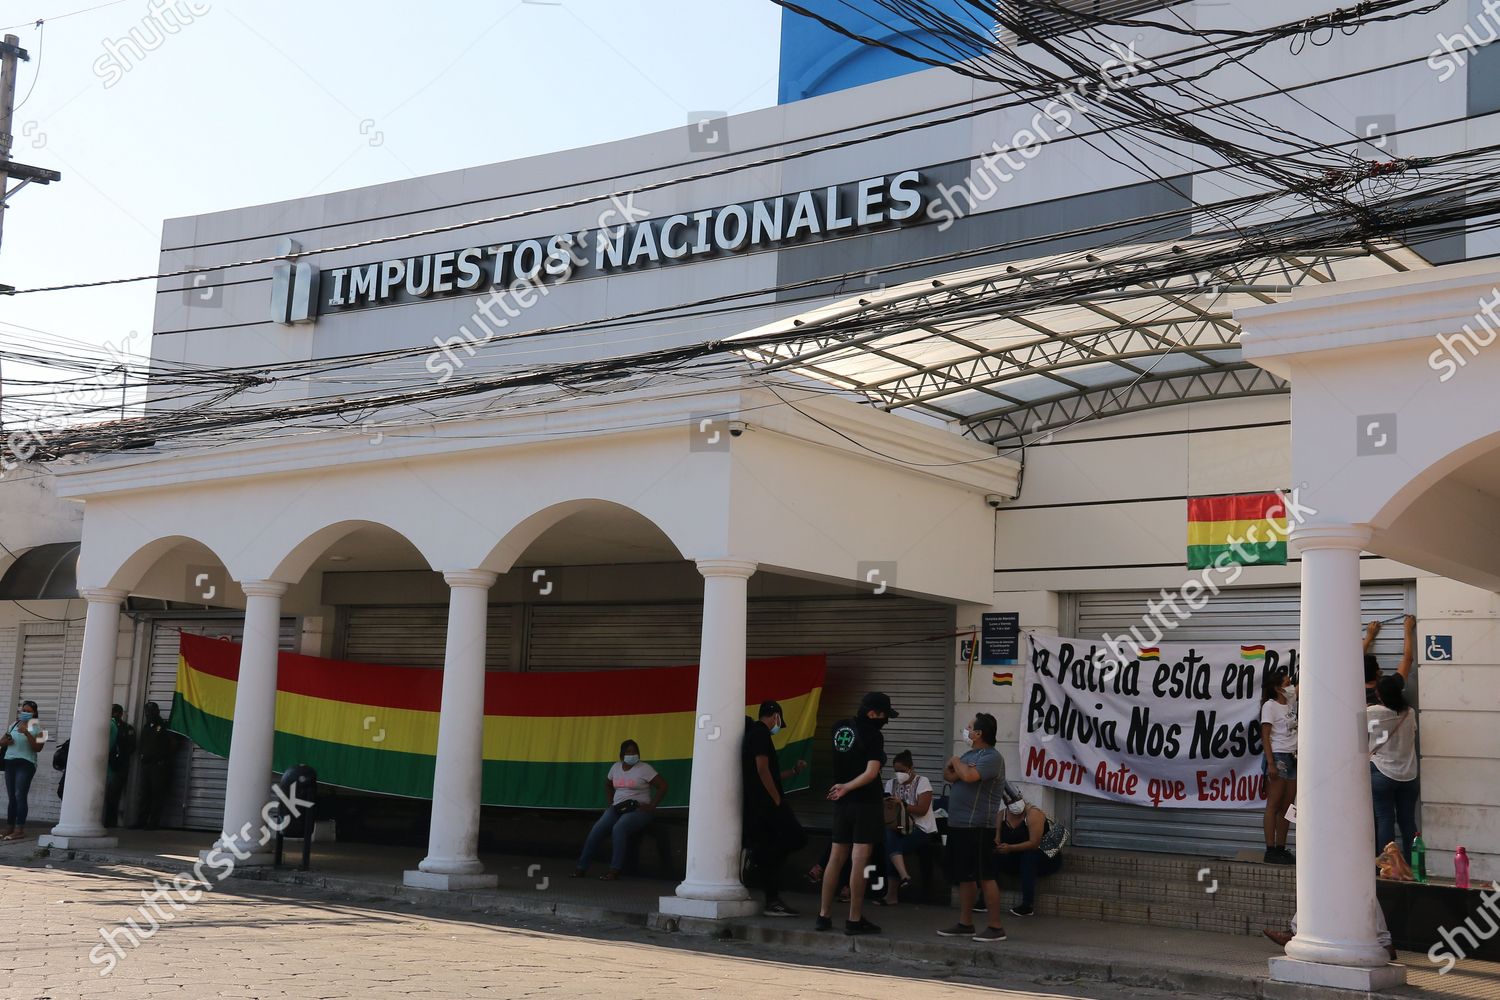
(858, 822)
(971, 855)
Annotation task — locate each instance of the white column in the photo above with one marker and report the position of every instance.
(712, 887)
(248, 787)
(452, 860)
(1336, 941)
(80, 824)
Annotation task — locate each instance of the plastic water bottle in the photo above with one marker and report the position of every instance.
(1419, 858)
(1461, 867)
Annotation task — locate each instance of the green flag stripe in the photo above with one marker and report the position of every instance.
(547, 785)
(1255, 554)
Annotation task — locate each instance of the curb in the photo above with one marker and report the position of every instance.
(1033, 965)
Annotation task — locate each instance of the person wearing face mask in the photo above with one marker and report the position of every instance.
(1278, 727)
(633, 789)
(858, 816)
(21, 742)
(771, 831)
(915, 794)
(974, 799)
(1018, 840)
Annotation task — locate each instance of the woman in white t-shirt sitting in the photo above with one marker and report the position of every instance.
(633, 789)
(915, 793)
(1392, 726)
(1278, 735)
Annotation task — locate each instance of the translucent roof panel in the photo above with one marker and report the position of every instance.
(1013, 351)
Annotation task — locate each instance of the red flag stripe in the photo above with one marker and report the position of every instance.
(1245, 507)
(627, 691)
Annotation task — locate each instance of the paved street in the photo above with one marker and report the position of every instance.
(246, 940)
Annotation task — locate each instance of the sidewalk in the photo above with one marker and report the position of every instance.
(1051, 949)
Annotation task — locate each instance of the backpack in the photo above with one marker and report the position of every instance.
(60, 757)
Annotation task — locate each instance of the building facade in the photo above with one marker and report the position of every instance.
(552, 508)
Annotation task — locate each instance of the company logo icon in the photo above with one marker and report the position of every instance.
(843, 738)
(708, 132)
(294, 287)
(878, 576)
(204, 290)
(1377, 130)
(205, 583)
(1375, 434)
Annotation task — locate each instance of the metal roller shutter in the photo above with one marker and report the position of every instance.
(1231, 616)
(199, 778)
(49, 677)
(416, 635)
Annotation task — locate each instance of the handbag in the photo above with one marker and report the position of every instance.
(1054, 838)
(896, 816)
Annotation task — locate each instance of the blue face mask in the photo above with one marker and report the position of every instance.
(777, 728)
(25, 716)
(632, 759)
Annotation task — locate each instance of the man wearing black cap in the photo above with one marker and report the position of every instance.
(770, 827)
(858, 813)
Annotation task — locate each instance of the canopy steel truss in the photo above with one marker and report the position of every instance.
(1011, 352)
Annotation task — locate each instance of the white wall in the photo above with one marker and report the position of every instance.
(1459, 726)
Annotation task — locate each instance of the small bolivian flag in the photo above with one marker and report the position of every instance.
(1253, 652)
(1149, 653)
(1004, 680)
(1248, 529)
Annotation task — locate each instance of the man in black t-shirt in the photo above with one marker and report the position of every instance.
(771, 830)
(858, 813)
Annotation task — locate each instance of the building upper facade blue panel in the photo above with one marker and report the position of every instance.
(818, 60)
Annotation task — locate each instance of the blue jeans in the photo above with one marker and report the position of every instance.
(18, 775)
(911, 842)
(621, 828)
(1395, 804)
(1031, 865)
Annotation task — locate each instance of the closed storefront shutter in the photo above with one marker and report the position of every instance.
(196, 800)
(49, 677)
(1233, 616)
(416, 635)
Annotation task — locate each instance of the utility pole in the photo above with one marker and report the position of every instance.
(11, 53)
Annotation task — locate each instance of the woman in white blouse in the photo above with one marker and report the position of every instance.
(1392, 725)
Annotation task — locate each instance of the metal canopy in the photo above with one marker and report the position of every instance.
(43, 573)
(1011, 352)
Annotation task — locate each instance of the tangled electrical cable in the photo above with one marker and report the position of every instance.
(1305, 198)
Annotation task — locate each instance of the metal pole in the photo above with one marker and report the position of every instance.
(7, 102)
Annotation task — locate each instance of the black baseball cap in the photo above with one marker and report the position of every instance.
(877, 701)
(771, 708)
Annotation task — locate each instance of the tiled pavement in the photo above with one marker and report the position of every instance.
(1040, 947)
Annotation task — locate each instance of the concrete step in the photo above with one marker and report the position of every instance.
(1167, 891)
(1164, 913)
(1168, 866)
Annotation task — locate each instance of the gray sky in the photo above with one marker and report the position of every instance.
(260, 100)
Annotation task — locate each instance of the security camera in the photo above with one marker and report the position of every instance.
(995, 500)
(737, 427)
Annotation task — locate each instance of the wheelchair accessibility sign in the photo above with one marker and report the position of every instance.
(1438, 647)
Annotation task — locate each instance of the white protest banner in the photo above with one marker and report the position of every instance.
(1178, 726)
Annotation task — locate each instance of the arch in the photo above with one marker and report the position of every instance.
(128, 571)
(509, 549)
(1432, 476)
(291, 567)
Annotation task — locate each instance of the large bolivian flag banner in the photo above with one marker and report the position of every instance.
(549, 738)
